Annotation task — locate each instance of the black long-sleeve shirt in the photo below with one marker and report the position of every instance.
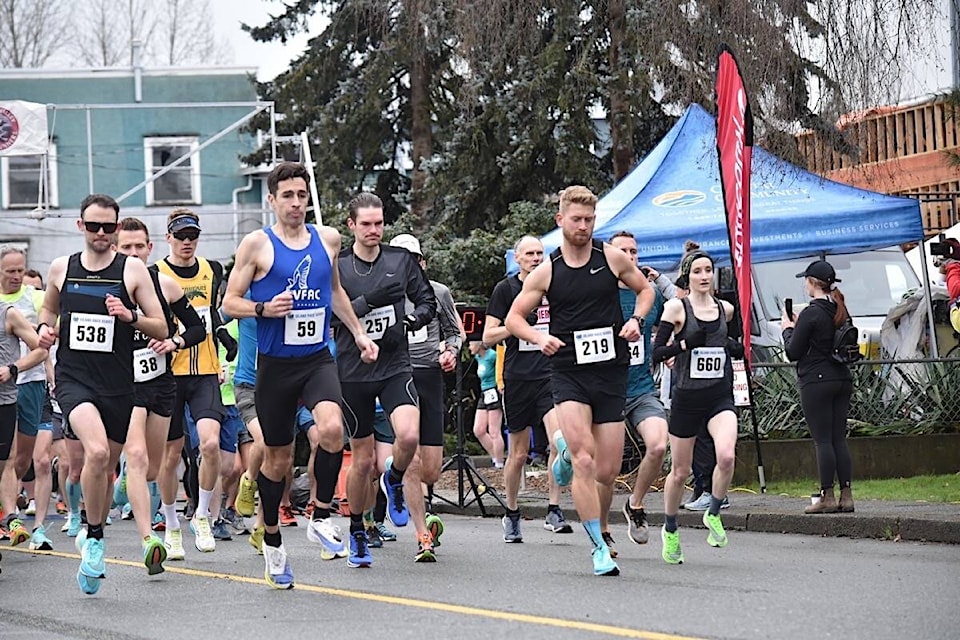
(810, 344)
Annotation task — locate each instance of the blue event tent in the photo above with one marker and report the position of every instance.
(674, 195)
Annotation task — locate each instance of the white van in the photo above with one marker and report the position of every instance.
(872, 282)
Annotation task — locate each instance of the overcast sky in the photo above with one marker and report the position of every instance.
(270, 58)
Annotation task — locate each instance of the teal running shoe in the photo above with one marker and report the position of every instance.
(603, 564)
(562, 467)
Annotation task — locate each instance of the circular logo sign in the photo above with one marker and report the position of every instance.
(676, 199)
(9, 128)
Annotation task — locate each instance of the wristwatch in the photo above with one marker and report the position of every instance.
(134, 316)
(13, 371)
(177, 341)
(639, 320)
(258, 309)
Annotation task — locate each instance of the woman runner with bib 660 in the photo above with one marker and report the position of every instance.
(703, 394)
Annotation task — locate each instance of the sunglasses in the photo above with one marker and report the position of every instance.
(95, 227)
(186, 234)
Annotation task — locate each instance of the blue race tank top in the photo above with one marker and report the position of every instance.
(306, 274)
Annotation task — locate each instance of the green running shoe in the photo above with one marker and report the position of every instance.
(717, 536)
(671, 546)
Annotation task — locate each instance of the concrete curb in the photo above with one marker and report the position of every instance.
(890, 525)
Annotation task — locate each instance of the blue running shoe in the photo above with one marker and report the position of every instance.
(278, 573)
(359, 550)
(87, 584)
(396, 508)
(91, 558)
(562, 467)
(385, 534)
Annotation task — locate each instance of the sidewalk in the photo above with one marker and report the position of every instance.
(766, 513)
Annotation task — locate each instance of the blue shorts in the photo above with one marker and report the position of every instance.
(229, 429)
(304, 420)
(31, 397)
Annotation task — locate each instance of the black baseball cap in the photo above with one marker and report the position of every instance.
(821, 270)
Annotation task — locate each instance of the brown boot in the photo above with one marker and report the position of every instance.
(827, 504)
(846, 500)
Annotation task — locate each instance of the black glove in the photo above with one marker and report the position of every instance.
(393, 338)
(695, 339)
(385, 295)
(228, 343)
(410, 323)
(735, 349)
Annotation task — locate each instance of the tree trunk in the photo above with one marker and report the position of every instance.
(621, 124)
(421, 132)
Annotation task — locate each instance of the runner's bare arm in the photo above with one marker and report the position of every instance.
(245, 268)
(18, 325)
(50, 312)
(137, 280)
(534, 288)
(494, 332)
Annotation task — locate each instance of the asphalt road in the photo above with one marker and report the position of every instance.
(760, 586)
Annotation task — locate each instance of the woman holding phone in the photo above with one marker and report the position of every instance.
(825, 384)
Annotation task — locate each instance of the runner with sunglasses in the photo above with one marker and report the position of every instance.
(197, 371)
(94, 295)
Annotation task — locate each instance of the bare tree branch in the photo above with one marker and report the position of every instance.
(31, 32)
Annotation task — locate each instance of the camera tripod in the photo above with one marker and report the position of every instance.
(466, 470)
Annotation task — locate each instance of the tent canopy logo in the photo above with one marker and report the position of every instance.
(9, 129)
(677, 199)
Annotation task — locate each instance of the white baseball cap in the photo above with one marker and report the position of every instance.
(408, 242)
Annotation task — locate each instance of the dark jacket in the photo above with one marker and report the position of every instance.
(811, 343)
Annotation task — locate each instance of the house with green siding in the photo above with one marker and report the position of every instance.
(111, 130)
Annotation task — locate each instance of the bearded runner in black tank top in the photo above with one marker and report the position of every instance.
(98, 346)
(585, 313)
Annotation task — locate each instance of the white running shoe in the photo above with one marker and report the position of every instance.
(329, 537)
(173, 541)
(203, 540)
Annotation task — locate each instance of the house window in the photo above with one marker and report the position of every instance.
(180, 185)
(22, 186)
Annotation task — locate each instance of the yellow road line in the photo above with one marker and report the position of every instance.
(610, 630)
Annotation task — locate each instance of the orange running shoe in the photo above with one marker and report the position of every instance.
(287, 519)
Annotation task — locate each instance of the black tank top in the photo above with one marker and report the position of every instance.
(585, 313)
(94, 348)
(144, 368)
(707, 367)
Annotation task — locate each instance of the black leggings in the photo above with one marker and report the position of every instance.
(825, 408)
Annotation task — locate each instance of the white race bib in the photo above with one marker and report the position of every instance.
(147, 365)
(378, 321)
(594, 345)
(304, 326)
(91, 332)
(636, 352)
(490, 396)
(204, 313)
(706, 363)
(417, 337)
(533, 346)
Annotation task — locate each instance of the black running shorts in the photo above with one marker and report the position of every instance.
(114, 410)
(202, 394)
(602, 388)
(525, 402)
(157, 396)
(360, 401)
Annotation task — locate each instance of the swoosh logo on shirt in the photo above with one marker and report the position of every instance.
(390, 275)
(594, 272)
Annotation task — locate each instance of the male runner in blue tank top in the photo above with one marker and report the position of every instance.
(291, 272)
(94, 295)
(587, 346)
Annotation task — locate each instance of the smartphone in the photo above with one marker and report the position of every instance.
(788, 305)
